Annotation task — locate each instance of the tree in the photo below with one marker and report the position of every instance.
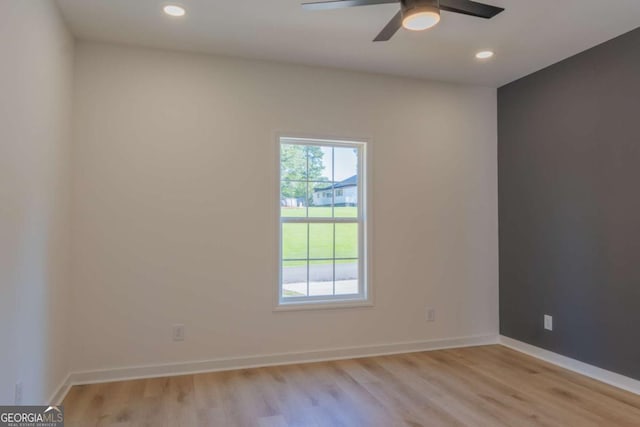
(299, 163)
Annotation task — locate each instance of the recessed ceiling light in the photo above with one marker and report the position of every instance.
(174, 10)
(484, 54)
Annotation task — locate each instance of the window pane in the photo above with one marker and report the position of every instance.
(294, 279)
(294, 241)
(321, 241)
(320, 257)
(293, 162)
(321, 278)
(320, 199)
(345, 163)
(346, 198)
(293, 196)
(346, 240)
(320, 163)
(347, 277)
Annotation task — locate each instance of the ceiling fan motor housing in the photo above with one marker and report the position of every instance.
(412, 6)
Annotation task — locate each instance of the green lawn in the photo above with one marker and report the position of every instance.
(319, 237)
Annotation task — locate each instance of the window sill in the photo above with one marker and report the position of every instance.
(322, 305)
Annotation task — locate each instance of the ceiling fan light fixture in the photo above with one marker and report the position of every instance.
(420, 18)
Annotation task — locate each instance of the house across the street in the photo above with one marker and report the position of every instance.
(346, 193)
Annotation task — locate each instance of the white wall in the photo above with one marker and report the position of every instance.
(175, 205)
(36, 65)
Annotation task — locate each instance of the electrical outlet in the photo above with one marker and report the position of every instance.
(178, 332)
(548, 322)
(431, 314)
(18, 393)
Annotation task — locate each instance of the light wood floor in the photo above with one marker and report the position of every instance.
(480, 386)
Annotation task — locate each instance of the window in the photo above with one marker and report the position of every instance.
(323, 255)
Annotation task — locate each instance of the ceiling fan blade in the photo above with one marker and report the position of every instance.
(468, 7)
(390, 29)
(338, 4)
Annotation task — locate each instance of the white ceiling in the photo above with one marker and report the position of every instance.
(528, 36)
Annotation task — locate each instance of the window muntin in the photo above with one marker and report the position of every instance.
(322, 221)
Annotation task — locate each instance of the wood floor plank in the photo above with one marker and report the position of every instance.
(519, 371)
(477, 386)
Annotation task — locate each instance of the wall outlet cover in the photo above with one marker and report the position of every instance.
(548, 322)
(18, 393)
(178, 332)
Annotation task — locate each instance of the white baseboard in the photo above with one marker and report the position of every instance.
(61, 391)
(166, 370)
(174, 369)
(608, 377)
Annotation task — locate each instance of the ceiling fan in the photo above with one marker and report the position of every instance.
(414, 15)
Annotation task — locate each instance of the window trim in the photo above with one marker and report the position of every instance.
(365, 286)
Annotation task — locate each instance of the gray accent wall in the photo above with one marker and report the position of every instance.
(569, 206)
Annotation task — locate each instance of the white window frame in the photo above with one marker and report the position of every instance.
(364, 297)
